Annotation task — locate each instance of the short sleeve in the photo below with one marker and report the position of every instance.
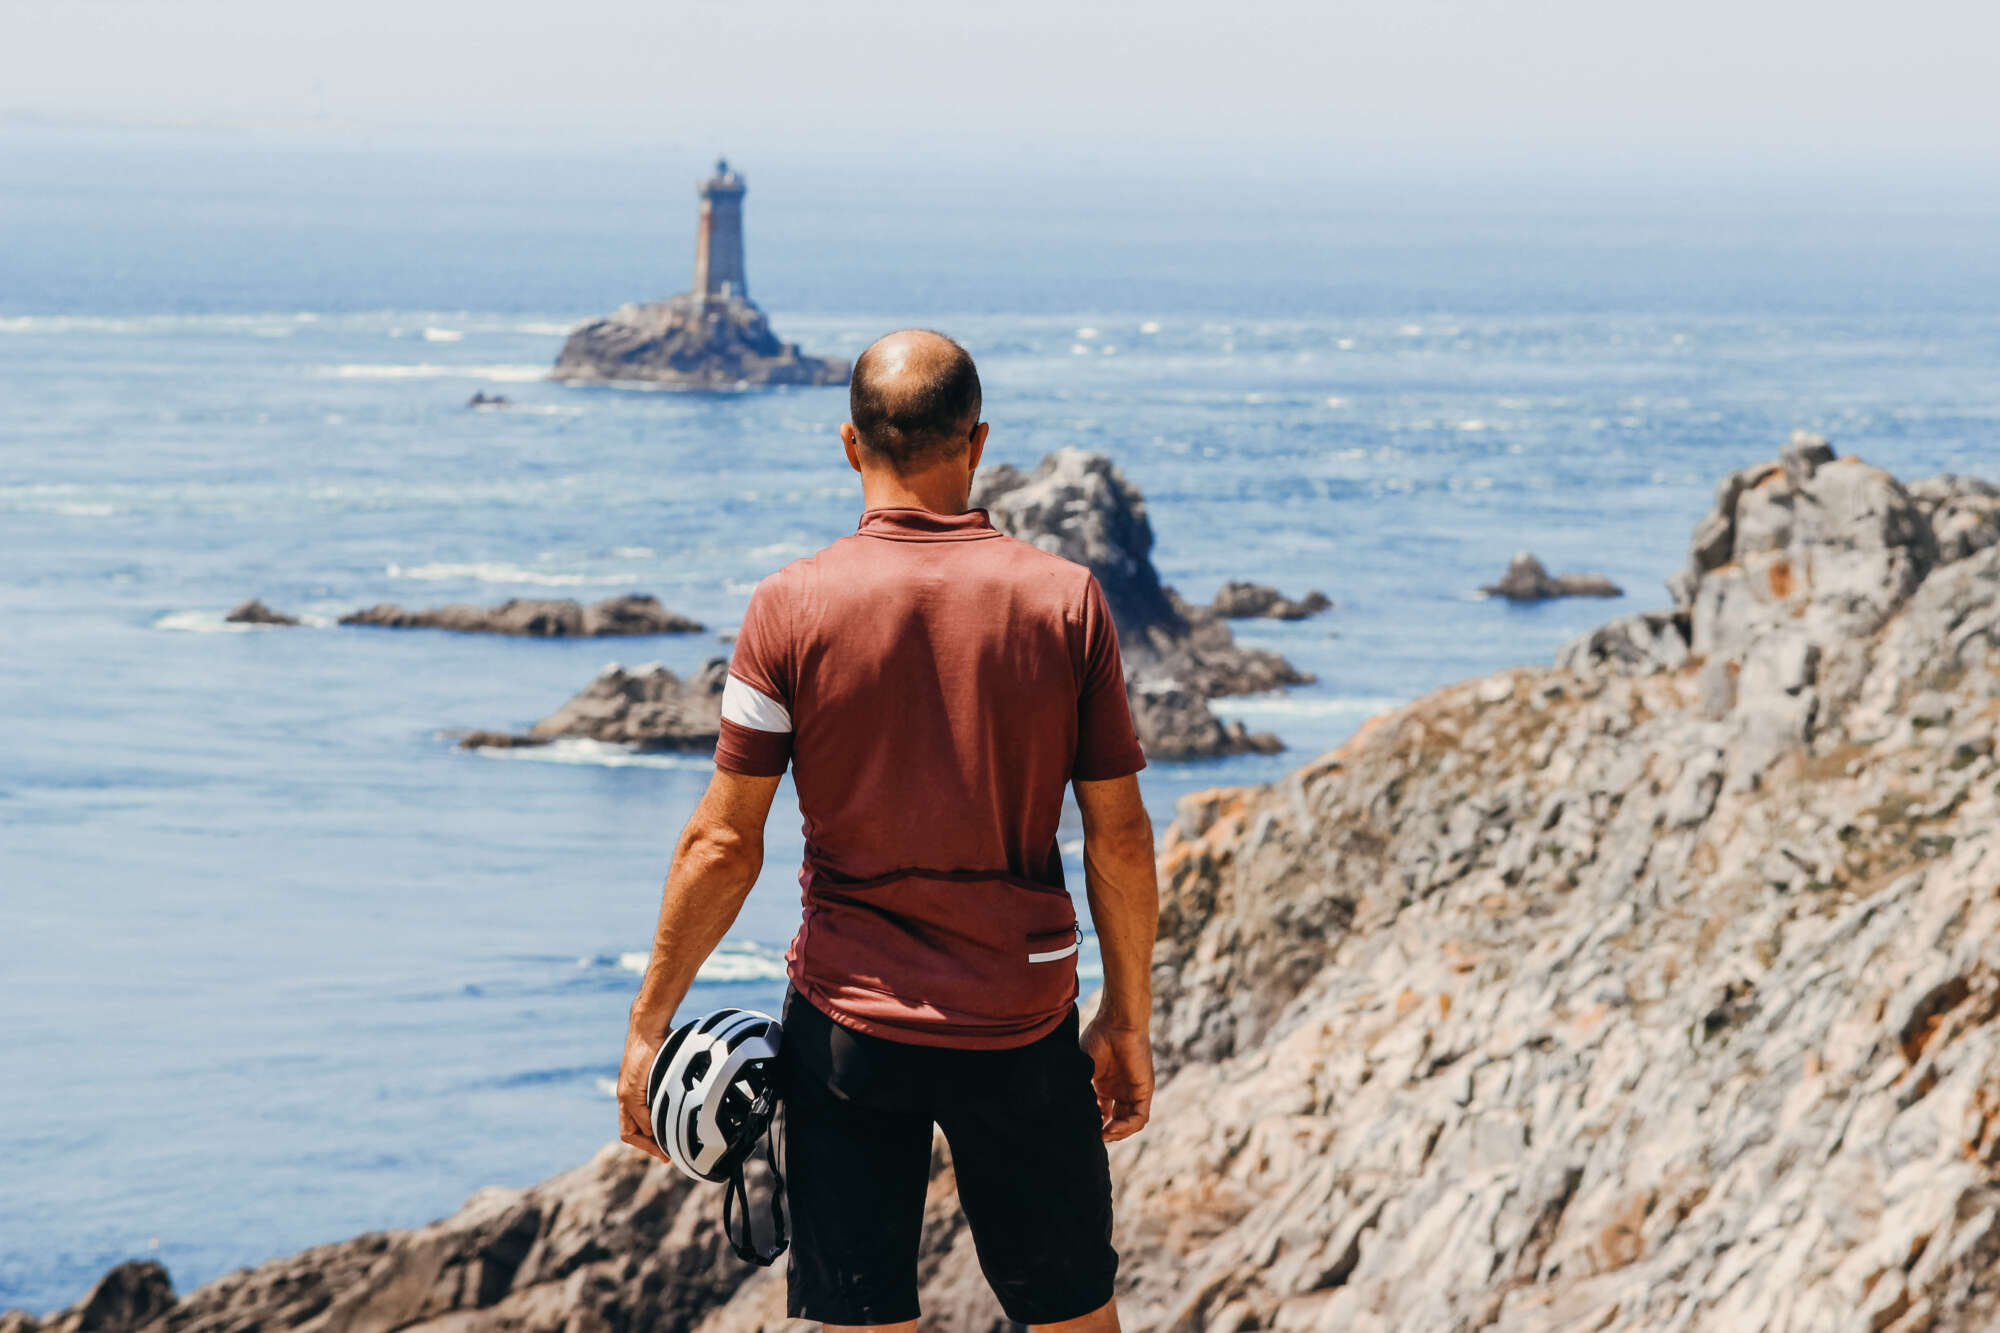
(1106, 744)
(756, 732)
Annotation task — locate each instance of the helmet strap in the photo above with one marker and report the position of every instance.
(735, 1195)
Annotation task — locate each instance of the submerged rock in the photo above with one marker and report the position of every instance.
(1528, 580)
(536, 618)
(648, 708)
(1243, 601)
(254, 612)
(1519, 1011)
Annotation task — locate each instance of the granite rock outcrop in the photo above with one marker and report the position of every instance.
(1658, 989)
(1247, 601)
(536, 618)
(646, 708)
(688, 342)
(1528, 580)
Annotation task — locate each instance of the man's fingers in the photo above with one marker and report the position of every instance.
(1131, 1117)
(647, 1146)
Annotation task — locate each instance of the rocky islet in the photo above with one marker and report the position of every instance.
(536, 618)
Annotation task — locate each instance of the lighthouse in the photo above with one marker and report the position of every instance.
(718, 237)
(711, 337)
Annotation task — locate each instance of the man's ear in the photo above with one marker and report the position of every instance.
(978, 447)
(850, 440)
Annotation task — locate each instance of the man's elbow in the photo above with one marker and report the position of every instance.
(720, 848)
(1126, 843)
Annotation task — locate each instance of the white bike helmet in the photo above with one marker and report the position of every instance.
(712, 1093)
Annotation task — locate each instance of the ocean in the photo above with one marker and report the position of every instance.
(279, 965)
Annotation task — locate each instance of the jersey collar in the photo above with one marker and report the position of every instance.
(905, 524)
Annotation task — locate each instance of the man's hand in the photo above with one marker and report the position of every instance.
(1123, 1078)
(634, 1124)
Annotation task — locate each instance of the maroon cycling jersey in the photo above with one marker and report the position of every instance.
(934, 684)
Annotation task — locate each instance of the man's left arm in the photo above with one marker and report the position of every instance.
(716, 862)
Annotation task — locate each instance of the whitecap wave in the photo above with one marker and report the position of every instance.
(443, 336)
(542, 328)
(426, 370)
(1265, 705)
(732, 961)
(215, 622)
(267, 325)
(598, 754)
(607, 1086)
(493, 571)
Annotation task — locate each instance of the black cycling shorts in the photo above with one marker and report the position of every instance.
(1026, 1144)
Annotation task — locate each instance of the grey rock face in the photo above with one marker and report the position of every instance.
(1244, 601)
(717, 343)
(1526, 1010)
(649, 708)
(254, 612)
(1528, 580)
(536, 618)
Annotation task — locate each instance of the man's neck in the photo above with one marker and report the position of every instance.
(945, 489)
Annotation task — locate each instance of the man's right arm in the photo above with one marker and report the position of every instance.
(1123, 889)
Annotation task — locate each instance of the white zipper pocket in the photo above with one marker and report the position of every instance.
(1056, 955)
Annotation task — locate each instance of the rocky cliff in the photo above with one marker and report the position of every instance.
(1658, 989)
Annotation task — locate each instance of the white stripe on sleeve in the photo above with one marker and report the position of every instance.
(747, 706)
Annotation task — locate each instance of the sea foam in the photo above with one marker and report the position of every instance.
(597, 754)
(426, 370)
(492, 571)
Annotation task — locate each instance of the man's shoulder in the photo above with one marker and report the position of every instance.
(1034, 560)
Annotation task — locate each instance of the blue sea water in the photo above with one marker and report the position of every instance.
(278, 965)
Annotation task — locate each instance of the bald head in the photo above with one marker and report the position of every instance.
(914, 398)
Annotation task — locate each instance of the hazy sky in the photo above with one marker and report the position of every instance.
(1737, 79)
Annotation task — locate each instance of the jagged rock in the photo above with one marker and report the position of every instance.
(483, 400)
(1630, 645)
(129, 1297)
(1080, 506)
(1512, 1013)
(1527, 580)
(1963, 514)
(536, 618)
(690, 343)
(1242, 601)
(254, 612)
(648, 708)
(1173, 722)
